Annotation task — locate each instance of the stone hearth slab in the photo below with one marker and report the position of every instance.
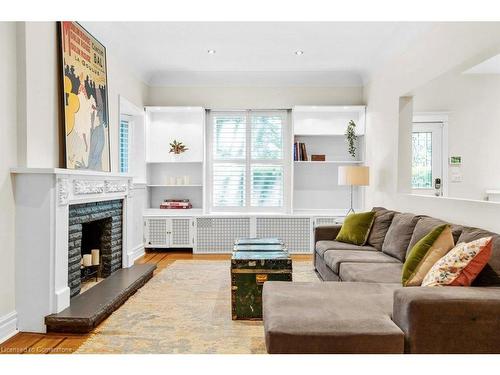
(90, 308)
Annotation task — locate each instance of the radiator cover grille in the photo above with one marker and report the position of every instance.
(157, 232)
(295, 232)
(180, 232)
(217, 235)
(327, 221)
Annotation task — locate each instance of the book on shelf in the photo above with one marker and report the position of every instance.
(299, 151)
(176, 204)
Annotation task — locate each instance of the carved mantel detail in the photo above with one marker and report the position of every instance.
(62, 191)
(81, 187)
(116, 186)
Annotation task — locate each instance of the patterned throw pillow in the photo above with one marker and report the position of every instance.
(426, 253)
(461, 265)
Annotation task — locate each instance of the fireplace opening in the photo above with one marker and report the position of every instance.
(91, 249)
(95, 243)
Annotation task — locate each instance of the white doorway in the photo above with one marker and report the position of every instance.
(429, 147)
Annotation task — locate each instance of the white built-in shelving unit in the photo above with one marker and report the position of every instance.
(322, 129)
(164, 169)
(316, 197)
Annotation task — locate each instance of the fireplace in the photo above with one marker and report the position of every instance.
(95, 225)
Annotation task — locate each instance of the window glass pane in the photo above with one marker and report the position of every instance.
(123, 146)
(267, 185)
(229, 137)
(228, 185)
(421, 160)
(267, 137)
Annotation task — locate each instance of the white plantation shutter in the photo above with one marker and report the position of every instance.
(247, 168)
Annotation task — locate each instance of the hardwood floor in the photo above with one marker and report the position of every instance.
(56, 343)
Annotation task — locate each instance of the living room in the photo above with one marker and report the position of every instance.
(201, 185)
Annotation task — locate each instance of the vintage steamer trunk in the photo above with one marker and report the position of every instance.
(254, 262)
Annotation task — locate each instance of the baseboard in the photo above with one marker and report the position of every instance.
(8, 326)
(136, 253)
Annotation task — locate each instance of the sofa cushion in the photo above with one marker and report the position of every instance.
(399, 235)
(490, 275)
(371, 272)
(461, 265)
(322, 246)
(333, 258)
(381, 223)
(330, 318)
(425, 254)
(427, 224)
(356, 228)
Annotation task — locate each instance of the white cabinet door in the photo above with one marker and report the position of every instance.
(182, 232)
(166, 233)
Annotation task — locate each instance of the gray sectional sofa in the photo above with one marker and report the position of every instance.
(363, 308)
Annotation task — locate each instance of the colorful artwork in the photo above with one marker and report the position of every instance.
(85, 97)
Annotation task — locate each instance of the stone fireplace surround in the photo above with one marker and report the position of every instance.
(43, 197)
(110, 214)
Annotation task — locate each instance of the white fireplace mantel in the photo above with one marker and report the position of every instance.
(43, 197)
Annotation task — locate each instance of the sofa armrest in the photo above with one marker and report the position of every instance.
(326, 233)
(448, 319)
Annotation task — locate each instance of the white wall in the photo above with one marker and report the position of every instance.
(30, 127)
(8, 158)
(445, 47)
(253, 97)
(40, 100)
(473, 130)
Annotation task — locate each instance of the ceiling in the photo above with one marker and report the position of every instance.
(489, 66)
(255, 53)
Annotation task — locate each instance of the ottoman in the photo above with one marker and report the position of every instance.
(330, 317)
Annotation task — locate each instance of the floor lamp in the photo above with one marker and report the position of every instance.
(353, 176)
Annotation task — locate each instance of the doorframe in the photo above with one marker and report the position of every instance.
(438, 117)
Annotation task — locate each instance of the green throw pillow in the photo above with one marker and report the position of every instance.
(425, 254)
(356, 228)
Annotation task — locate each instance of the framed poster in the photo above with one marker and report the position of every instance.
(85, 98)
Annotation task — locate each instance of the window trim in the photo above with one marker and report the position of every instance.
(248, 162)
(423, 118)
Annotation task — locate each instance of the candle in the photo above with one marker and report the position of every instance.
(95, 257)
(187, 180)
(87, 260)
(180, 181)
(171, 180)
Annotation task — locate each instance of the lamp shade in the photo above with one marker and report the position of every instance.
(354, 175)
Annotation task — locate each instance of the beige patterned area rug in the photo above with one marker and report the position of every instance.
(186, 308)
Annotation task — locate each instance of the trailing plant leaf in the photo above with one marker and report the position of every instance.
(351, 138)
(177, 147)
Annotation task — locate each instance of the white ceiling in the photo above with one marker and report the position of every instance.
(255, 53)
(489, 66)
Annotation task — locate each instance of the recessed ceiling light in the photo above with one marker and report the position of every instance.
(299, 52)
(211, 52)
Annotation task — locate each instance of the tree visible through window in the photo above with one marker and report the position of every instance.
(421, 160)
(123, 145)
(248, 159)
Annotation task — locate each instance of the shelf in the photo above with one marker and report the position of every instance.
(174, 162)
(323, 135)
(164, 185)
(173, 212)
(329, 162)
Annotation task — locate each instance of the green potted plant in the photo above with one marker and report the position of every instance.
(351, 138)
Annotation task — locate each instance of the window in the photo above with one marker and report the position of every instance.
(247, 154)
(124, 141)
(421, 173)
